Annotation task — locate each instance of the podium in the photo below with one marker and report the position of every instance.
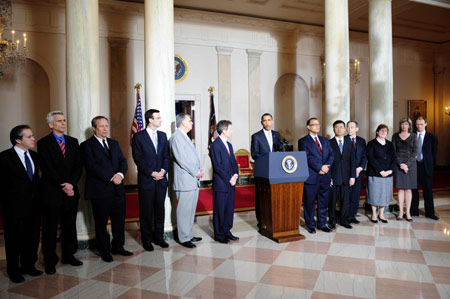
(279, 178)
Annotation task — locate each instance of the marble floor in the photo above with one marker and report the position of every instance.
(393, 260)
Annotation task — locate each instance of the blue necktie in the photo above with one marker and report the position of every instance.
(341, 147)
(419, 148)
(28, 166)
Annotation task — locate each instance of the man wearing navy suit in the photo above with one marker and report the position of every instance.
(151, 155)
(317, 186)
(61, 170)
(359, 145)
(20, 204)
(343, 173)
(427, 145)
(225, 174)
(263, 142)
(105, 170)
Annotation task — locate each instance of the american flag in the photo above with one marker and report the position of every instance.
(212, 133)
(138, 124)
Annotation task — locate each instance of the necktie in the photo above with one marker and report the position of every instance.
(318, 145)
(155, 141)
(228, 149)
(419, 148)
(341, 147)
(270, 140)
(106, 147)
(28, 166)
(354, 142)
(62, 146)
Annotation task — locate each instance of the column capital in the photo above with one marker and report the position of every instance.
(253, 53)
(118, 42)
(224, 50)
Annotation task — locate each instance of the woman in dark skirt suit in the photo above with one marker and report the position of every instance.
(405, 179)
(381, 166)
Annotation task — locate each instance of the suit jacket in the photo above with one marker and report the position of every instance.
(343, 167)
(429, 152)
(224, 165)
(57, 169)
(360, 153)
(380, 158)
(101, 166)
(148, 160)
(20, 196)
(315, 158)
(186, 163)
(260, 146)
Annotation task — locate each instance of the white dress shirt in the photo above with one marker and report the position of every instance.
(21, 153)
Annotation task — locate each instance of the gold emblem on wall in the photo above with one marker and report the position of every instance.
(181, 68)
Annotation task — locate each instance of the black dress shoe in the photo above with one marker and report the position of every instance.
(325, 229)
(32, 272)
(16, 278)
(223, 241)
(196, 239)
(383, 220)
(355, 221)
(107, 257)
(72, 261)
(188, 244)
(409, 220)
(122, 252)
(373, 221)
(148, 247)
(232, 238)
(434, 217)
(332, 227)
(347, 226)
(311, 230)
(161, 243)
(50, 270)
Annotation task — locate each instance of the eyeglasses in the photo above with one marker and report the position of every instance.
(313, 125)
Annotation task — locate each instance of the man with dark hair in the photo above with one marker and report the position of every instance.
(359, 146)
(20, 204)
(186, 178)
(343, 173)
(225, 174)
(61, 170)
(105, 170)
(427, 145)
(151, 155)
(317, 186)
(264, 141)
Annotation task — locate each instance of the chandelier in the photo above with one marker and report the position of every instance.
(12, 52)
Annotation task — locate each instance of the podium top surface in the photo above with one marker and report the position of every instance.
(282, 167)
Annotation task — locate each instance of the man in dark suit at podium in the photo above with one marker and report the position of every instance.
(105, 170)
(61, 170)
(343, 173)
(359, 146)
(20, 204)
(317, 186)
(225, 175)
(264, 141)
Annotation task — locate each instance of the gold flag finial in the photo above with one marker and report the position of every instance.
(138, 86)
(211, 89)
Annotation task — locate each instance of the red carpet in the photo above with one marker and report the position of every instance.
(245, 198)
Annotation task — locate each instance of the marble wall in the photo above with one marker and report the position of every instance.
(285, 49)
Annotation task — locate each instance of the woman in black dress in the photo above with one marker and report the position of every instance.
(405, 144)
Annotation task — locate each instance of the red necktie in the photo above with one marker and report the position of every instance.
(318, 145)
(354, 142)
(62, 146)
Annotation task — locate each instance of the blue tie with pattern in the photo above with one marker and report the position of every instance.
(341, 147)
(28, 166)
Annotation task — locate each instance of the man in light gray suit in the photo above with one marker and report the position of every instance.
(187, 175)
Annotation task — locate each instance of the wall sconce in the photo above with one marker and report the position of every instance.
(447, 110)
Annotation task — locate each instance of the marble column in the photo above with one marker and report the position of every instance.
(381, 91)
(440, 119)
(224, 76)
(82, 75)
(337, 82)
(159, 72)
(254, 91)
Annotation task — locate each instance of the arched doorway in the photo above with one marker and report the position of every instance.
(24, 99)
(291, 107)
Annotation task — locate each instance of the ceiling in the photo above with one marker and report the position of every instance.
(410, 19)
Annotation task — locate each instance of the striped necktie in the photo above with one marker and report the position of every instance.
(62, 146)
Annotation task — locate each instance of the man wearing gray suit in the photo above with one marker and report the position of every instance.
(187, 175)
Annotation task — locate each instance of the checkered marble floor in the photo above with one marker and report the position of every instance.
(393, 260)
